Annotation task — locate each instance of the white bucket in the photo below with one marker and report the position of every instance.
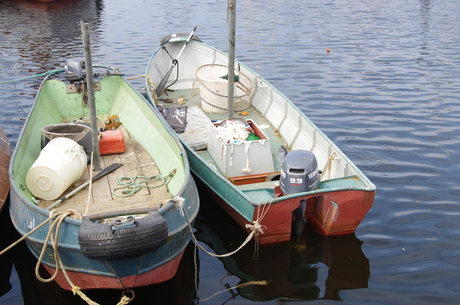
(60, 163)
(213, 88)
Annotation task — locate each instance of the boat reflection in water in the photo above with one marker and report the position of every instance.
(309, 267)
(180, 290)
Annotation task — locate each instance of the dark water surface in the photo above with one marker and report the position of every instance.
(387, 94)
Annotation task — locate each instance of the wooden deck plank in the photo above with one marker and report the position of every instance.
(99, 189)
(130, 162)
(112, 178)
(80, 198)
(135, 160)
(148, 167)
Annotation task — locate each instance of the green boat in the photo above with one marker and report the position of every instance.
(119, 235)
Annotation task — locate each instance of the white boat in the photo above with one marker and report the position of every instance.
(290, 170)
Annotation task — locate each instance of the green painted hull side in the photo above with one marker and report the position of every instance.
(221, 186)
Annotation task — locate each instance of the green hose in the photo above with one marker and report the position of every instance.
(34, 76)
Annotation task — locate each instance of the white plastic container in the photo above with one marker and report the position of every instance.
(60, 163)
(244, 157)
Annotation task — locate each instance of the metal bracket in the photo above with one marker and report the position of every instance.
(81, 87)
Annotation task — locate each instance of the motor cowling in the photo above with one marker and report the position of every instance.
(299, 171)
(75, 69)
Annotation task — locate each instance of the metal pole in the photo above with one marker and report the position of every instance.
(91, 98)
(231, 56)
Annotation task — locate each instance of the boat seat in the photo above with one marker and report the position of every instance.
(258, 186)
(250, 179)
(198, 130)
(350, 181)
(261, 191)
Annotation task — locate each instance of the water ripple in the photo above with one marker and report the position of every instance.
(387, 94)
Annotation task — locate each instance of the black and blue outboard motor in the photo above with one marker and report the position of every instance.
(299, 171)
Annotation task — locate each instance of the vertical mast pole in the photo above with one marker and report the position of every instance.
(231, 55)
(91, 98)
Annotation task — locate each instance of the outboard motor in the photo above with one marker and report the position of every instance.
(299, 171)
(76, 69)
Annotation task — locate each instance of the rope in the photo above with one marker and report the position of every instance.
(124, 300)
(261, 283)
(56, 225)
(261, 212)
(179, 204)
(25, 236)
(256, 229)
(132, 185)
(327, 167)
(34, 76)
(150, 84)
(247, 145)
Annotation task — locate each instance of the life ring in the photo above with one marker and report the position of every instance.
(117, 240)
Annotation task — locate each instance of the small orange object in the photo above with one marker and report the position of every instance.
(112, 142)
(112, 123)
(328, 50)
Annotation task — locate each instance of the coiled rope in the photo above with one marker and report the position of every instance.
(132, 185)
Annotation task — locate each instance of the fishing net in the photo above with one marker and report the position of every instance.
(212, 82)
(72, 131)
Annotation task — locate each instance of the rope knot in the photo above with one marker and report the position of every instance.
(75, 290)
(256, 227)
(124, 300)
(331, 157)
(179, 204)
(72, 213)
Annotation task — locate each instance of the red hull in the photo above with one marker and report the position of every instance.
(328, 213)
(93, 281)
(5, 155)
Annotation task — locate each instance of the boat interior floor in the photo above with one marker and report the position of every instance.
(101, 202)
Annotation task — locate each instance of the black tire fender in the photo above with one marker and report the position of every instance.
(106, 241)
